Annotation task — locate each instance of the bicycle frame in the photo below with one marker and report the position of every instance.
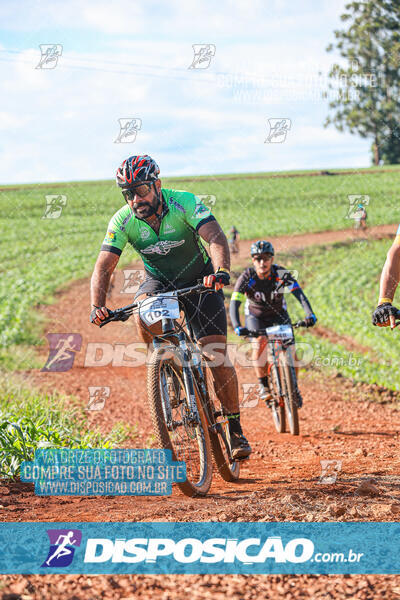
(186, 356)
(182, 342)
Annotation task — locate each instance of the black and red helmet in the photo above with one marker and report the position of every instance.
(137, 169)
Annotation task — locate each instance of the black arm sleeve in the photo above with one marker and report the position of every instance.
(302, 298)
(234, 313)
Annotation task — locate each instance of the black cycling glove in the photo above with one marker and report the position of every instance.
(222, 277)
(381, 314)
(93, 315)
(310, 320)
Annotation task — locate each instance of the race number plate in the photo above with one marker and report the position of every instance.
(279, 332)
(155, 308)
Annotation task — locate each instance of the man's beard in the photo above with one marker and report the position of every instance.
(147, 209)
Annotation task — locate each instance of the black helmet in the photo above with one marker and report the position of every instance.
(137, 169)
(262, 247)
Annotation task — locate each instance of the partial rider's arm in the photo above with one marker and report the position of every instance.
(104, 268)
(111, 249)
(384, 314)
(212, 233)
(390, 276)
(300, 296)
(238, 296)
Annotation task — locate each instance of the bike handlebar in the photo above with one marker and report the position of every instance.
(261, 332)
(123, 314)
(119, 314)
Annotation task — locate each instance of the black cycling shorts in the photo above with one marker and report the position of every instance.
(205, 313)
(255, 323)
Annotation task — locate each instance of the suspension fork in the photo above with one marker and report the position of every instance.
(275, 351)
(188, 376)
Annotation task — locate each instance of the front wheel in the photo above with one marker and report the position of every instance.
(278, 402)
(176, 426)
(289, 377)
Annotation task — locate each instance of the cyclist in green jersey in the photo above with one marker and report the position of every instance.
(167, 228)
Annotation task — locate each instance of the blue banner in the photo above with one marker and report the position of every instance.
(247, 548)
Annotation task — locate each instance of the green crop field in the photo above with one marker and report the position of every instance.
(41, 255)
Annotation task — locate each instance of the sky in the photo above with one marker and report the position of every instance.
(131, 60)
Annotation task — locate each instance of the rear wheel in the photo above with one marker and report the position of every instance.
(175, 425)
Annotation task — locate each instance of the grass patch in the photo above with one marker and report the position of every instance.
(31, 420)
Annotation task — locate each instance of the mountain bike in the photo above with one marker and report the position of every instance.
(282, 375)
(186, 418)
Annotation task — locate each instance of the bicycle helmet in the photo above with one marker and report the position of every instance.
(135, 170)
(262, 247)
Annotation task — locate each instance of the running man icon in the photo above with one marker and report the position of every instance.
(62, 549)
(63, 347)
(62, 542)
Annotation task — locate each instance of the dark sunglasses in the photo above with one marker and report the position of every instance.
(263, 257)
(140, 190)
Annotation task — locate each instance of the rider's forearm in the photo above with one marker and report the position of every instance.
(219, 252)
(99, 285)
(390, 276)
(218, 244)
(234, 313)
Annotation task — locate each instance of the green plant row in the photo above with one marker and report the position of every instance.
(30, 420)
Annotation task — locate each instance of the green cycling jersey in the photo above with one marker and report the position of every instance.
(176, 255)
